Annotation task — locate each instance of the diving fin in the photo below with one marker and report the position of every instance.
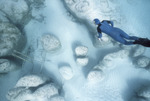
(142, 41)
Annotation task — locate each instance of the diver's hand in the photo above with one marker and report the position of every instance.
(100, 39)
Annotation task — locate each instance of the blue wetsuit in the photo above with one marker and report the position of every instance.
(116, 33)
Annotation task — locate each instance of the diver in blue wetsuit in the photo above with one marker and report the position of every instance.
(116, 33)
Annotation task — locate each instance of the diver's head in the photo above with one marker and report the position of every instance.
(96, 21)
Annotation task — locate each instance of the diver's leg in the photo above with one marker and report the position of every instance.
(126, 36)
(123, 41)
(126, 42)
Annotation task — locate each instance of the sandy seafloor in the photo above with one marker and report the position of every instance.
(119, 84)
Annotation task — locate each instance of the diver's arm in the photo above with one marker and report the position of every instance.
(110, 22)
(99, 32)
(99, 35)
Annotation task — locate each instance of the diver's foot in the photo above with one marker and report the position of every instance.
(143, 41)
(140, 41)
(137, 41)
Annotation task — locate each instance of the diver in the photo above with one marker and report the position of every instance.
(118, 34)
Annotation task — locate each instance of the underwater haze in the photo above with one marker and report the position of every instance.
(49, 51)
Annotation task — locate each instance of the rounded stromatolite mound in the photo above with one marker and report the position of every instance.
(50, 43)
(16, 11)
(138, 50)
(144, 92)
(82, 6)
(66, 72)
(31, 81)
(46, 91)
(34, 87)
(8, 65)
(95, 75)
(109, 58)
(10, 39)
(18, 94)
(81, 51)
(143, 62)
(82, 61)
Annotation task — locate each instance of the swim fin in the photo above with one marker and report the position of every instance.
(142, 41)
